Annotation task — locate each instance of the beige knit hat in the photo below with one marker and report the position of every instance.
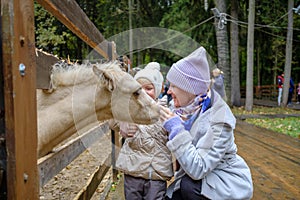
(152, 73)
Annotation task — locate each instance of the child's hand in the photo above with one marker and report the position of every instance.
(128, 129)
(132, 129)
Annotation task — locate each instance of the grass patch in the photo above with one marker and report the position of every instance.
(263, 110)
(289, 125)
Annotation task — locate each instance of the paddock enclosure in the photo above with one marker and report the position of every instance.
(23, 70)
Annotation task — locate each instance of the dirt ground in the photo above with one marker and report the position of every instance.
(274, 160)
(67, 184)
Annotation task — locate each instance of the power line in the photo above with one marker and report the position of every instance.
(262, 25)
(176, 35)
(259, 25)
(223, 20)
(261, 30)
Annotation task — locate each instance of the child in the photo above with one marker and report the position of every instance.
(144, 157)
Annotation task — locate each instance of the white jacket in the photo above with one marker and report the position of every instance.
(146, 155)
(208, 152)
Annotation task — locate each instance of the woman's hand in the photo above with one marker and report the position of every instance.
(165, 113)
(171, 122)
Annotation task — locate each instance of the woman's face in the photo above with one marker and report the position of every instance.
(180, 97)
(150, 89)
(215, 73)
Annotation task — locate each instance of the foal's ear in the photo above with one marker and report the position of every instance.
(105, 77)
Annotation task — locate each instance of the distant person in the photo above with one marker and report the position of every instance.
(124, 63)
(127, 62)
(291, 91)
(298, 93)
(164, 94)
(280, 81)
(218, 82)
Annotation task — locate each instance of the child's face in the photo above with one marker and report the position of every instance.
(150, 89)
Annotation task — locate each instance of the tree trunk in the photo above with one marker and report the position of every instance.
(130, 34)
(258, 66)
(235, 62)
(288, 54)
(223, 47)
(250, 46)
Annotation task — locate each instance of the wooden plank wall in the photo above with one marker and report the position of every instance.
(18, 47)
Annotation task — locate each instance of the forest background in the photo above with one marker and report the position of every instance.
(194, 19)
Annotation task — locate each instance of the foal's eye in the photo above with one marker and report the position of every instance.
(137, 93)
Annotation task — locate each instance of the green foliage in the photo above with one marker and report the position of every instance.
(270, 35)
(185, 16)
(47, 34)
(112, 17)
(263, 110)
(289, 126)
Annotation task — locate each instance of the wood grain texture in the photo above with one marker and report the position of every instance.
(20, 98)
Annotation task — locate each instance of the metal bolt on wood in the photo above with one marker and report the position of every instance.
(22, 68)
(22, 40)
(25, 177)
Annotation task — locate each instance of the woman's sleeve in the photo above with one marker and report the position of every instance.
(198, 161)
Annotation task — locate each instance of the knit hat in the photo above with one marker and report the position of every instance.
(152, 73)
(191, 73)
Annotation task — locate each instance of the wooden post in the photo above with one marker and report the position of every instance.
(18, 47)
(114, 141)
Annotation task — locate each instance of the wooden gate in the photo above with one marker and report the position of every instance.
(18, 114)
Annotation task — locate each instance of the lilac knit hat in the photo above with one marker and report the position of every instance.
(191, 73)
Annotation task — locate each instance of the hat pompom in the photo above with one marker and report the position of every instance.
(153, 74)
(153, 65)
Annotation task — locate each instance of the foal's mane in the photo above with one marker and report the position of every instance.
(63, 74)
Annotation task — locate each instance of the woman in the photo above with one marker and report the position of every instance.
(144, 157)
(201, 136)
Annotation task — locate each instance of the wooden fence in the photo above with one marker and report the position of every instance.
(23, 174)
(53, 163)
(262, 92)
(268, 92)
